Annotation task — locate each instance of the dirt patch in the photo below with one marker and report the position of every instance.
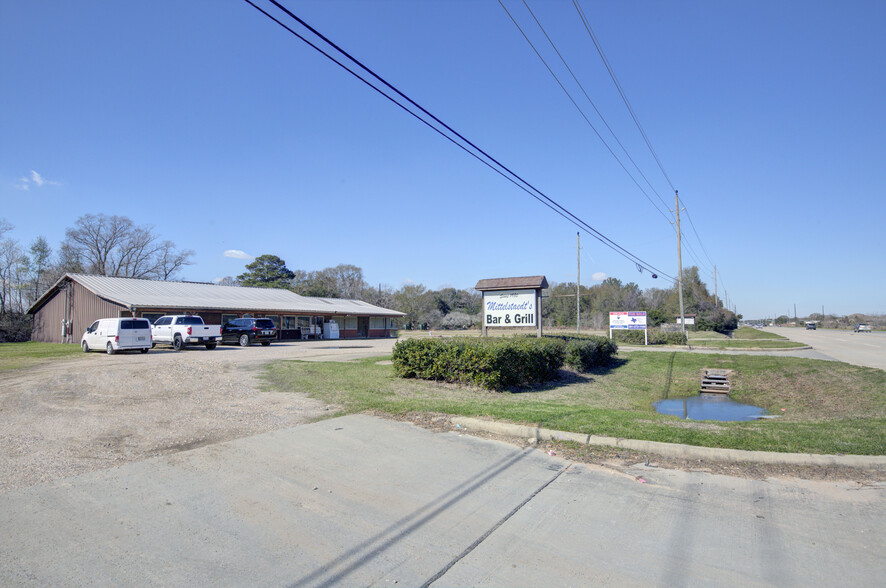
(94, 411)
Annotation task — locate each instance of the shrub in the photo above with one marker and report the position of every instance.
(656, 337)
(495, 364)
(584, 353)
(15, 327)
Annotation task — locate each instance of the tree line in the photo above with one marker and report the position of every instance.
(116, 246)
(452, 308)
(96, 244)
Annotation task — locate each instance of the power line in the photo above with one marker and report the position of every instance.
(584, 116)
(620, 91)
(514, 178)
(636, 120)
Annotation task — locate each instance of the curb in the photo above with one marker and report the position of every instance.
(674, 450)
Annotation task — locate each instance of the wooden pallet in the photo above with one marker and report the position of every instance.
(715, 381)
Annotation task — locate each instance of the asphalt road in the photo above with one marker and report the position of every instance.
(865, 349)
(359, 500)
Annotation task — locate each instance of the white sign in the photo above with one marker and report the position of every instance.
(690, 320)
(627, 320)
(509, 308)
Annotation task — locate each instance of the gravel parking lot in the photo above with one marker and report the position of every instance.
(97, 411)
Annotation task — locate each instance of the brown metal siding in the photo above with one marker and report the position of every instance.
(86, 308)
(48, 320)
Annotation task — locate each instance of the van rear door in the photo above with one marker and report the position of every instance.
(133, 333)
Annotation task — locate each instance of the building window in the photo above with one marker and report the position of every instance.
(351, 323)
(304, 322)
(377, 322)
(289, 322)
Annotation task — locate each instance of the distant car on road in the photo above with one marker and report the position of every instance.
(244, 331)
(810, 326)
(861, 328)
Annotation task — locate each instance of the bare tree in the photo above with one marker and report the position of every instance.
(115, 246)
(170, 260)
(13, 264)
(41, 253)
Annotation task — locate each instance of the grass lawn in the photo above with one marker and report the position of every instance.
(19, 355)
(750, 333)
(830, 407)
(747, 344)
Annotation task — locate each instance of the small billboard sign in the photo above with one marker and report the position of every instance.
(627, 320)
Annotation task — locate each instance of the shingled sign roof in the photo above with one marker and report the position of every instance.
(524, 283)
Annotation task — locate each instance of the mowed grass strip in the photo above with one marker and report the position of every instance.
(752, 333)
(830, 407)
(747, 344)
(18, 355)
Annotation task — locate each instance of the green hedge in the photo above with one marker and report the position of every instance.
(499, 363)
(656, 337)
(585, 352)
(496, 364)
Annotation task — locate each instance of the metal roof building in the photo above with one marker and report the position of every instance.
(77, 300)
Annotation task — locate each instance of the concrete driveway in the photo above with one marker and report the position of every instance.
(359, 500)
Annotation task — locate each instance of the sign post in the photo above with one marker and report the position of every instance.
(633, 321)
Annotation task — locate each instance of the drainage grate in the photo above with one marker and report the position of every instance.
(715, 381)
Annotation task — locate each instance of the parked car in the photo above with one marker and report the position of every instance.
(117, 334)
(861, 328)
(183, 330)
(244, 331)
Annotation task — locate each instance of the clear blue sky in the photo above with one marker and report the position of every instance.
(208, 121)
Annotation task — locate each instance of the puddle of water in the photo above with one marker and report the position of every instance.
(709, 407)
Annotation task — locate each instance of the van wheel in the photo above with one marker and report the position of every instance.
(110, 349)
(244, 340)
(211, 345)
(177, 343)
(144, 349)
(85, 347)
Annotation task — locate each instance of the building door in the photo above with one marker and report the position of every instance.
(363, 326)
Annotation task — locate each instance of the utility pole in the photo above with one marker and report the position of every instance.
(716, 298)
(795, 312)
(578, 284)
(680, 263)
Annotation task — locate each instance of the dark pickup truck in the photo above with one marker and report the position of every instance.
(244, 331)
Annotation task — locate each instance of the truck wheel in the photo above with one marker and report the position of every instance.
(85, 347)
(110, 349)
(244, 340)
(177, 343)
(144, 349)
(211, 345)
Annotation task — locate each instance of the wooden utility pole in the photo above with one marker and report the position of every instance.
(680, 263)
(716, 298)
(578, 284)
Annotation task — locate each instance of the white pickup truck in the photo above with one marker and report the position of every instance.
(862, 328)
(182, 330)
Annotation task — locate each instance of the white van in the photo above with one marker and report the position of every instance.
(118, 334)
